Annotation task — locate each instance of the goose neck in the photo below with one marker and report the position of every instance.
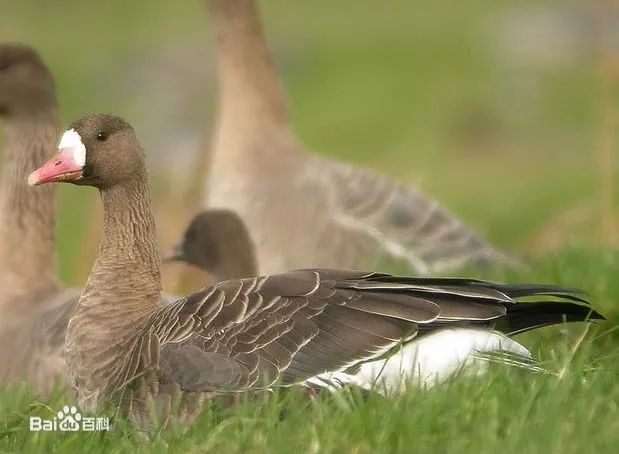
(126, 277)
(249, 86)
(27, 215)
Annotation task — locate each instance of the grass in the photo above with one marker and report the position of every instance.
(573, 410)
(503, 412)
(422, 91)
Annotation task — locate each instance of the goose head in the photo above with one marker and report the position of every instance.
(98, 150)
(217, 241)
(25, 83)
(198, 246)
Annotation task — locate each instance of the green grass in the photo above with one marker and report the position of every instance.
(572, 410)
(503, 412)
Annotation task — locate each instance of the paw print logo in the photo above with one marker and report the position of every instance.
(69, 419)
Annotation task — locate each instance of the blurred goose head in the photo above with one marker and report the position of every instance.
(26, 86)
(197, 246)
(98, 150)
(217, 241)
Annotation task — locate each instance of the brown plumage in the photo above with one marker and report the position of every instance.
(217, 242)
(34, 308)
(123, 346)
(303, 209)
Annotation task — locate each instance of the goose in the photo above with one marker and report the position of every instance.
(125, 348)
(217, 241)
(303, 209)
(34, 306)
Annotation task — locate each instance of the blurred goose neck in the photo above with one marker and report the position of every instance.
(250, 89)
(27, 215)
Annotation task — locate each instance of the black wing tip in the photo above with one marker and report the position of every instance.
(527, 316)
(595, 315)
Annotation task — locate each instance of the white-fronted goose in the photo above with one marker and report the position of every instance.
(302, 209)
(217, 242)
(34, 307)
(125, 346)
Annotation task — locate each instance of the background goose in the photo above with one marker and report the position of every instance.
(34, 307)
(302, 209)
(123, 344)
(217, 242)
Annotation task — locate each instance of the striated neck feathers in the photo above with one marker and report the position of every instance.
(126, 276)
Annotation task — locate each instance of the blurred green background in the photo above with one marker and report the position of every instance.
(495, 107)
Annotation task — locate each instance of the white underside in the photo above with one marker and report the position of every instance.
(432, 359)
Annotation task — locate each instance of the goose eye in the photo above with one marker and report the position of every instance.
(102, 136)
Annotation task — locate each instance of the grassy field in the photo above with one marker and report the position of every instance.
(573, 409)
(444, 96)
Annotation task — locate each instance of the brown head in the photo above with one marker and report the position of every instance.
(98, 150)
(26, 85)
(217, 241)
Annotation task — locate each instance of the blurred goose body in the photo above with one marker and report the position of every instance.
(124, 346)
(302, 209)
(34, 307)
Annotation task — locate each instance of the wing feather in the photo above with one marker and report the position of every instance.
(290, 327)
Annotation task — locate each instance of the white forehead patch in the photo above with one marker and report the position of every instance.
(72, 140)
